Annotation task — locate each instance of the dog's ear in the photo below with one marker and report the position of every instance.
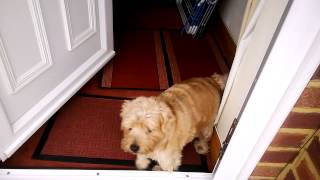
(167, 122)
(124, 112)
(221, 80)
(124, 107)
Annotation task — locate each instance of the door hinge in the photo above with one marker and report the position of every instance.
(225, 143)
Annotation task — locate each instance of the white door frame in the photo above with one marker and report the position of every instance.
(289, 65)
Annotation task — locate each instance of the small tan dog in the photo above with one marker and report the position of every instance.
(159, 127)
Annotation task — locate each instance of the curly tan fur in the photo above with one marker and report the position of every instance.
(159, 127)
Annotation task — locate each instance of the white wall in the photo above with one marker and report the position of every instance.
(231, 12)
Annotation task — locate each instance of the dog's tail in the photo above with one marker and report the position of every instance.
(221, 80)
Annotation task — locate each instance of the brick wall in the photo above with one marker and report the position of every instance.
(287, 154)
(306, 165)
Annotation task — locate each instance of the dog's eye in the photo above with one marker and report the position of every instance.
(149, 131)
(130, 129)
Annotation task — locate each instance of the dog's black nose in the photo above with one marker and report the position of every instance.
(134, 148)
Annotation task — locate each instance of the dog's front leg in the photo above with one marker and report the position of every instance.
(169, 161)
(142, 162)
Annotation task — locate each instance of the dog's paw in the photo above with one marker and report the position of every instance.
(142, 162)
(168, 167)
(201, 147)
(156, 168)
(170, 161)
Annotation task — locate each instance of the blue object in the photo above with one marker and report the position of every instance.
(195, 14)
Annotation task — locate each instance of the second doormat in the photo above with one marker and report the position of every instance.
(138, 64)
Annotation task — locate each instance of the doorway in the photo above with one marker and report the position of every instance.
(263, 131)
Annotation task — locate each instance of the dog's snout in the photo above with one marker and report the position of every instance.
(134, 148)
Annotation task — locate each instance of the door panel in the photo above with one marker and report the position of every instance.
(24, 56)
(48, 50)
(79, 20)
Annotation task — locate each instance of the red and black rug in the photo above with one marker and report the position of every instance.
(139, 64)
(87, 130)
(85, 134)
(154, 60)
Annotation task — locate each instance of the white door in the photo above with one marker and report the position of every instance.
(251, 52)
(48, 50)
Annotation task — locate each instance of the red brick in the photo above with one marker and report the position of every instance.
(288, 140)
(267, 171)
(290, 176)
(278, 156)
(304, 172)
(314, 153)
(310, 97)
(316, 75)
(302, 120)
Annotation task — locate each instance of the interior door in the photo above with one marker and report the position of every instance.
(48, 50)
